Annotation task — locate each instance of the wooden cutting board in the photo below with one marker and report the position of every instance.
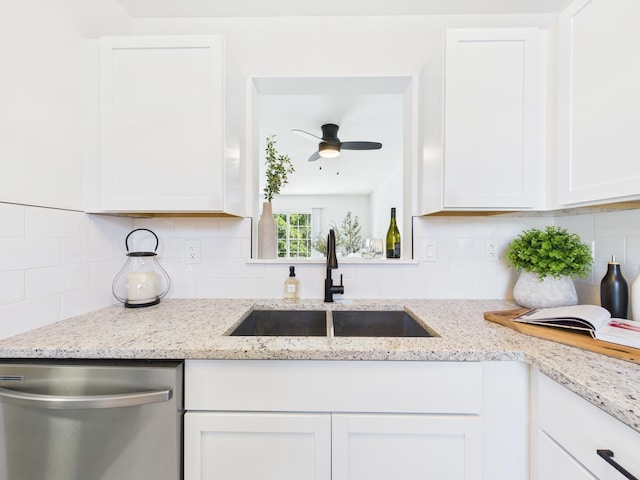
(561, 335)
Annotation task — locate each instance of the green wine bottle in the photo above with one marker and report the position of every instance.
(393, 237)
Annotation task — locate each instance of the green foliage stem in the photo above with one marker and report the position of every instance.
(550, 252)
(278, 168)
(348, 236)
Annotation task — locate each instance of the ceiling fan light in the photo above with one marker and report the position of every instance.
(328, 150)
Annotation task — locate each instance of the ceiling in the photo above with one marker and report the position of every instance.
(365, 109)
(272, 8)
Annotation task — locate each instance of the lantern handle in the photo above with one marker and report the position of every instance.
(126, 240)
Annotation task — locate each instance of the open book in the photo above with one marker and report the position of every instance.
(593, 319)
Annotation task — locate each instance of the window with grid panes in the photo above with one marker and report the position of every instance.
(294, 234)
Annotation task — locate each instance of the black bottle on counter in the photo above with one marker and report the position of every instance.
(614, 291)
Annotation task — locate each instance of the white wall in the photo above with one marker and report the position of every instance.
(387, 193)
(40, 87)
(57, 263)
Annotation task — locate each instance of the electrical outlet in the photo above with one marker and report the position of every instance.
(430, 251)
(491, 251)
(192, 251)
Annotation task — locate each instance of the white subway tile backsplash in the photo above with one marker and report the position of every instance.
(197, 227)
(492, 287)
(77, 302)
(111, 227)
(211, 248)
(11, 286)
(12, 220)
(463, 268)
(163, 227)
(220, 288)
(605, 247)
(234, 228)
(617, 224)
(633, 250)
(52, 223)
(184, 288)
(474, 227)
(55, 264)
(22, 316)
(102, 273)
(581, 225)
(24, 253)
(86, 250)
(511, 226)
(41, 282)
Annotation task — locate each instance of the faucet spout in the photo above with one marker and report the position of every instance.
(332, 264)
(332, 259)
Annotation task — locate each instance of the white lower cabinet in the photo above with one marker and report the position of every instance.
(411, 447)
(354, 420)
(556, 462)
(567, 432)
(265, 446)
(299, 446)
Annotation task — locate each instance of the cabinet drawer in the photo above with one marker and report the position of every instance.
(333, 386)
(581, 428)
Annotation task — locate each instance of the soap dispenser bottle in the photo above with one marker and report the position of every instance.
(291, 287)
(614, 291)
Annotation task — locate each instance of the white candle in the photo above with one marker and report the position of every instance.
(142, 286)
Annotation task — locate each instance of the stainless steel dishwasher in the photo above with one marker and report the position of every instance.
(91, 421)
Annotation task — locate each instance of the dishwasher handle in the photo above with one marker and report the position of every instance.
(83, 402)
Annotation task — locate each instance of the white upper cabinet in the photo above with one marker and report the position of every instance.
(171, 126)
(492, 155)
(599, 102)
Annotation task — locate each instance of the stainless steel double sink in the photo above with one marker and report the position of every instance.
(332, 323)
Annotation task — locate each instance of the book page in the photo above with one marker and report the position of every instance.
(583, 317)
(623, 332)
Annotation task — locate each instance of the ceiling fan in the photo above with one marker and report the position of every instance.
(330, 145)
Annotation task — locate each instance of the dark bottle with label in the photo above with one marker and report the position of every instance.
(614, 291)
(393, 237)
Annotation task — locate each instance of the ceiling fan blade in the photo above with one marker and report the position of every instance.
(314, 157)
(307, 135)
(361, 145)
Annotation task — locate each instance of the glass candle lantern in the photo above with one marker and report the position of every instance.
(142, 281)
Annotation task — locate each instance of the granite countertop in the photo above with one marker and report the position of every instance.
(198, 328)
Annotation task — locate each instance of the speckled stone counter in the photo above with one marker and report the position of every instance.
(198, 329)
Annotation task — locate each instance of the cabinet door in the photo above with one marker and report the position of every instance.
(492, 101)
(580, 429)
(161, 123)
(410, 447)
(556, 464)
(241, 446)
(599, 102)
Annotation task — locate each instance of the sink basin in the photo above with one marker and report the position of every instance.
(306, 323)
(386, 323)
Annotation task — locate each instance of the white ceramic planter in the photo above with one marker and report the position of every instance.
(531, 292)
(267, 233)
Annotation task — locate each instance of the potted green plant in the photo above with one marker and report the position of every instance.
(279, 167)
(548, 260)
(348, 237)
